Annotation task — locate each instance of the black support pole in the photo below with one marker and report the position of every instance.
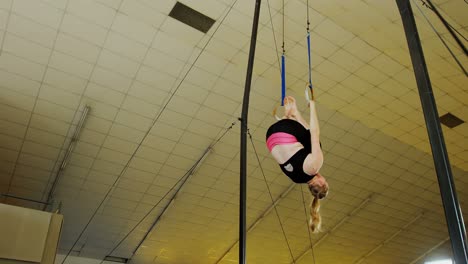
(455, 224)
(243, 158)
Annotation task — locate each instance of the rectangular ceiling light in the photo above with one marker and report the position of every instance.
(116, 259)
(191, 17)
(442, 261)
(451, 120)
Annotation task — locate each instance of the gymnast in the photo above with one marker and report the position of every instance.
(295, 145)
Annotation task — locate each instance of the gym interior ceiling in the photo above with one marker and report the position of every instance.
(161, 92)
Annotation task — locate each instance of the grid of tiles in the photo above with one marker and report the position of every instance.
(395, 201)
(126, 58)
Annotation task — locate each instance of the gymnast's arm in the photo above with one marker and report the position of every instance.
(317, 155)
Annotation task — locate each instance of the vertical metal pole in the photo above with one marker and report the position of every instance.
(455, 224)
(243, 158)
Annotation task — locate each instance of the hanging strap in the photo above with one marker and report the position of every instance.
(310, 61)
(283, 66)
(283, 79)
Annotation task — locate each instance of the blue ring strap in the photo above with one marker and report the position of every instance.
(310, 63)
(283, 80)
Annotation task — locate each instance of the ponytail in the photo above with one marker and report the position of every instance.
(315, 221)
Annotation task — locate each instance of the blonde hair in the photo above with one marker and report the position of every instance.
(315, 222)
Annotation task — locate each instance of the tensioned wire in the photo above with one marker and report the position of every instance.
(441, 39)
(147, 133)
(447, 26)
(454, 29)
(182, 180)
(274, 36)
(283, 29)
(276, 211)
(279, 67)
(308, 229)
(271, 196)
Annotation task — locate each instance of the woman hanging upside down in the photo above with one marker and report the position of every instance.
(295, 145)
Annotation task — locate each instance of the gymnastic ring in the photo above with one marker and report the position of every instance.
(307, 91)
(274, 113)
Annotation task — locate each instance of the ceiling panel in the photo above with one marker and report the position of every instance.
(157, 159)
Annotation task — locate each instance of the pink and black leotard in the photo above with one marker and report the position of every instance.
(287, 131)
